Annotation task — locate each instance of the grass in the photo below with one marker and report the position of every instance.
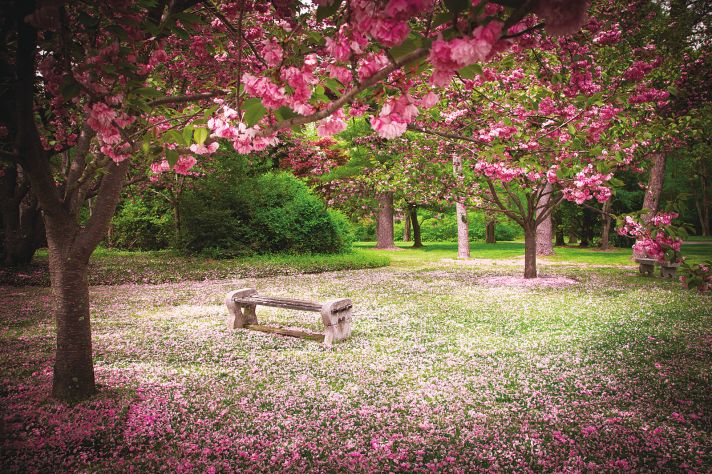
(451, 367)
(111, 267)
(436, 251)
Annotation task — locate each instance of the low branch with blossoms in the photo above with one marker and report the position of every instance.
(655, 237)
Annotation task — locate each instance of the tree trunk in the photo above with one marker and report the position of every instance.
(544, 229)
(586, 227)
(406, 226)
(384, 224)
(463, 225)
(463, 231)
(23, 228)
(559, 235)
(73, 368)
(702, 203)
(572, 237)
(413, 210)
(605, 234)
(530, 251)
(489, 231)
(655, 186)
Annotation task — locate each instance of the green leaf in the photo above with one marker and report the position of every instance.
(468, 72)
(171, 157)
(254, 111)
(442, 18)
(284, 113)
(407, 46)
(325, 11)
(200, 135)
(172, 136)
(334, 85)
(148, 92)
(572, 129)
(187, 134)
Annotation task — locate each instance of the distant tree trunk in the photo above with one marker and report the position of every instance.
(413, 211)
(544, 229)
(702, 202)
(605, 244)
(573, 238)
(463, 224)
(489, 231)
(586, 228)
(463, 231)
(406, 227)
(530, 250)
(651, 201)
(384, 223)
(23, 228)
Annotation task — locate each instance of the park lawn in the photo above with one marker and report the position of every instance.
(113, 266)
(450, 368)
(437, 251)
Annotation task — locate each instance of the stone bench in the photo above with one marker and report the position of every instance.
(646, 266)
(335, 315)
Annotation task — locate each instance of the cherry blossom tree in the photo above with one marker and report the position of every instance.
(99, 88)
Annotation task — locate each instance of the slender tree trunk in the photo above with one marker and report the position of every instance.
(702, 203)
(544, 229)
(490, 227)
(463, 231)
(23, 229)
(573, 238)
(530, 251)
(651, 201)
(586, 228)
(605, 234)
(417, 241)
(384, 224)
(406, 226)
(559, 233)
(463, 224)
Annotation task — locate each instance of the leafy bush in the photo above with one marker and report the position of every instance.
(271, 213)
(141, 225)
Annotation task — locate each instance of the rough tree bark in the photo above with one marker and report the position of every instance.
(406, 227)
(702, 202)
(417, 240)
(463, 224)
(530, 250)
(384, 223)
(544, 229)
(651, 201)
(490, 227)
(606, 231)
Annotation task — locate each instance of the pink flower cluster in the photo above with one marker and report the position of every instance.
(107, 123)
(244, 139)
(588, 184)
(449, 56)
(332, 125)
(499, 171)
(394, 117)
(652, 240)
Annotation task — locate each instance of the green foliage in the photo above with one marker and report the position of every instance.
(141, 224)
(271, 213)
(442, 227)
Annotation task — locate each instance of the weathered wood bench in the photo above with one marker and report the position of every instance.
(335, 314)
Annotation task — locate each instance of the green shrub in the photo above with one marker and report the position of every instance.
(274, 212)
(141, 225)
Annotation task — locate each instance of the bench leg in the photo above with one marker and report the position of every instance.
(240, 315)
(336, 316)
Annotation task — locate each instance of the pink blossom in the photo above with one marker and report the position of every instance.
(184, 164)
(332, 125)
(203, 149)
(272, 52)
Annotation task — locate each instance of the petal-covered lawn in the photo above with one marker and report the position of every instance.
(446, 371)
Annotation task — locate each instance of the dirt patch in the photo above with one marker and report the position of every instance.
(518, 281)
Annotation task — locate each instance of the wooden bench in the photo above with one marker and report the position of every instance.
(335, 314)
